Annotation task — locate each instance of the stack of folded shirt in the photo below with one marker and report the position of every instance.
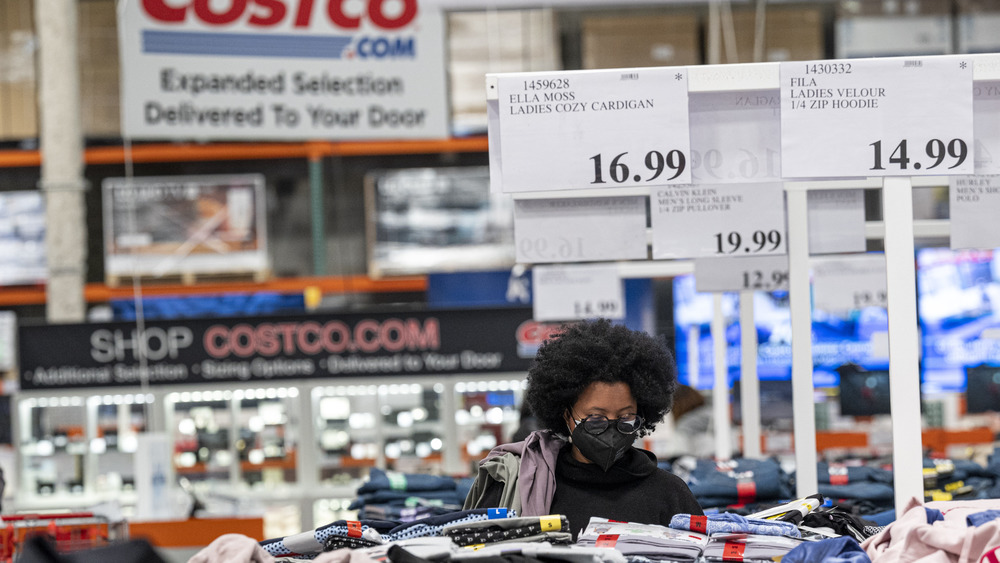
(645, 540)
(553, 528)
(434, 525)
(732, 524)
(855, 482)
(748, 547)
(738, 481)
(539, 552)
(352, 534)
(386, 493)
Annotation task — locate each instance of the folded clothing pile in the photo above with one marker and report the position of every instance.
(738, 481)
(553, 529)
(645, 540)
(406, 496)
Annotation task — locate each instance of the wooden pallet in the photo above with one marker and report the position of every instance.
(190, 278)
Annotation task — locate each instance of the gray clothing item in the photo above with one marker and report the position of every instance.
(502, 468)
(529, 488)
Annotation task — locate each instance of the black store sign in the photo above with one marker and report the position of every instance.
(271, 349)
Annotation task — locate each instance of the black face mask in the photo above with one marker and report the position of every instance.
(603, 449)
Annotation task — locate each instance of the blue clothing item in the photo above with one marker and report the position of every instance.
(379, 480)
(842, 475)
(933, 515)
(834, 550)
(432, 525)
(874, 492)
(735, 524)
(314, 541)
(980, 518)
(882, 518)
(739, 481)
(399, 498)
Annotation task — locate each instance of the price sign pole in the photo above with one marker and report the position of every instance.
(804, 419)
(749, 382)
(895, 118)
(720, 388)
(904, 366)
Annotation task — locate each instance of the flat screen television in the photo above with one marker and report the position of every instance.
(424, 220)
(838, 338)
(864, 393)
(958, 305)
(982, 392)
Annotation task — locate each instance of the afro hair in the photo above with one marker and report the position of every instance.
(592, 351)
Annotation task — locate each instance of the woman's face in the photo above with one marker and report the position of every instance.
(612, 400)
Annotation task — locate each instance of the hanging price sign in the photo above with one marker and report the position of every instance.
(592, 129)
(974, 203)
(836, 221)
(849, 282)
(877, 117)
(572, 292)
(764, 273)
(986, 109)
(580, 229)
(735, 137)
(718, 220)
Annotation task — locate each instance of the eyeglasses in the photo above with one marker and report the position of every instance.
(596, 423)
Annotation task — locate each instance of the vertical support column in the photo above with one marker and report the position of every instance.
(235, 469)
(749, 384)
(452, 454)
(904, 343)
(62, 159)
(799, 294)
(720, 389)
(318, 225)
(306, 458)
(90, 465)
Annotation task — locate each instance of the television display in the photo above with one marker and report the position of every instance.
(864, 393)
(837, 338)
(775, 402)
(958, 303)
(982, 393)
(424, 220)
(22, 238)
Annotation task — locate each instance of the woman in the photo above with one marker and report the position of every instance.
(595, 388)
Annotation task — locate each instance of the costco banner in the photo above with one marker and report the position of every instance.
(258, 349)
(282, 69)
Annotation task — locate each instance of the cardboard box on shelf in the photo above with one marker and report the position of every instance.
(640, 40)
(97, 50)
(893, 28)
(790, 34)
(485, 42)
(18, 105)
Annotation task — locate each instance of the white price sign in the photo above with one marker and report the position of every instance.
(735, 137)
(836, 221)
(593, 129)
(580, 229)
(876, 117)
(572, 292)
(763, 273)
(974, 202)
(847, 283)
(986, 108)
(718, 220)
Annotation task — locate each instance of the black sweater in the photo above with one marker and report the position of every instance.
(633, 490)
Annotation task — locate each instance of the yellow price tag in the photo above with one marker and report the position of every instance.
(550, 523)
(954, 486)
(940, 495)
(476, 546)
